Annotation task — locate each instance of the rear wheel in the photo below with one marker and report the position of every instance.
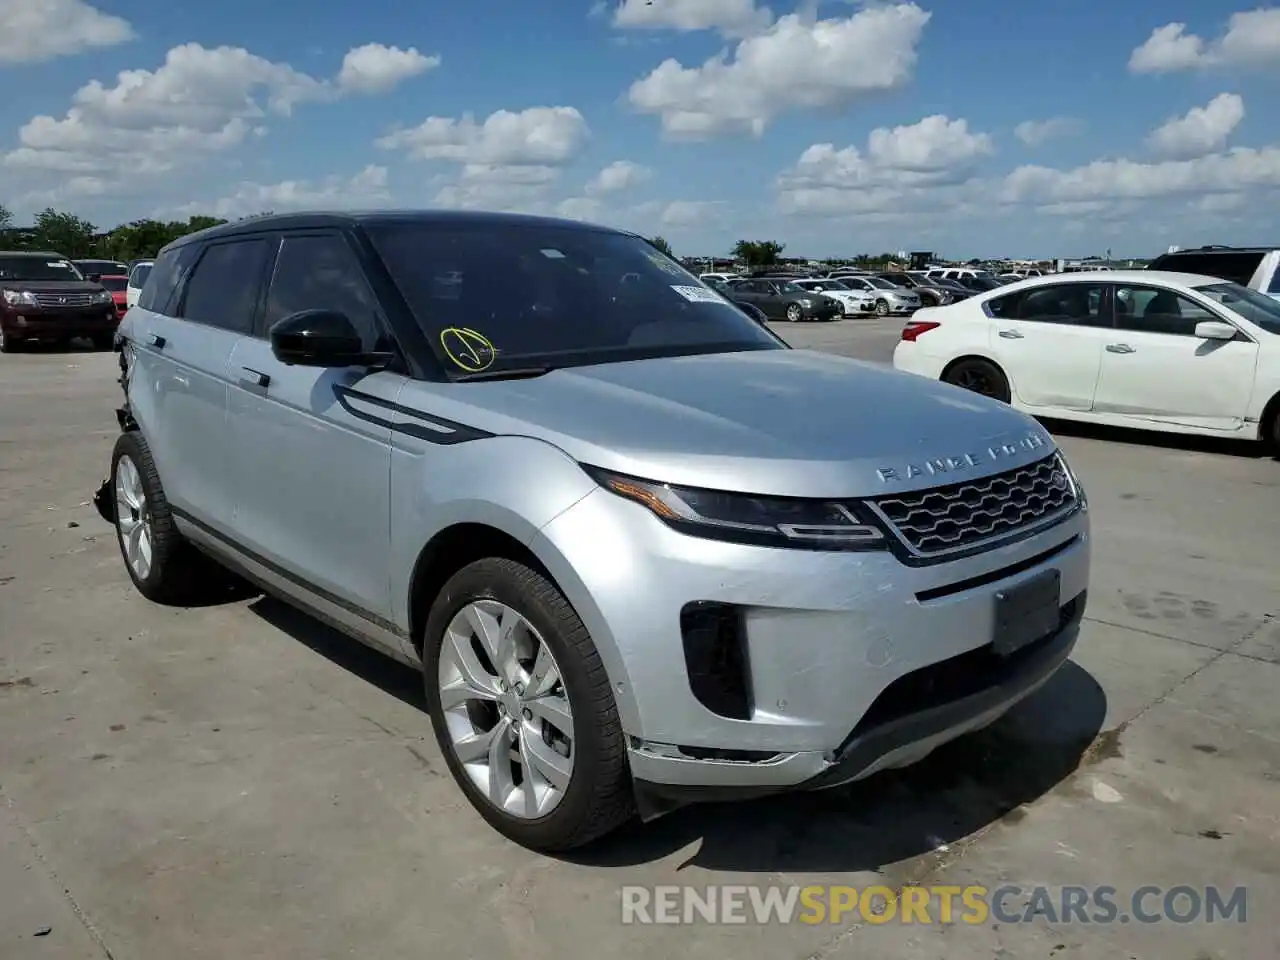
(980, 376)
(161, 563)
(522, 708)
(794, 313)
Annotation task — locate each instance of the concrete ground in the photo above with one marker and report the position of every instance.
(237, 781)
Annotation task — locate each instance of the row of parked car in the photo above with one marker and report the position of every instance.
(778, 295)
(46, 296)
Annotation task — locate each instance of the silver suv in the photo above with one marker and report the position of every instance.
(643, 551)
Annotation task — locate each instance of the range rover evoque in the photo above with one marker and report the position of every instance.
(643, 552)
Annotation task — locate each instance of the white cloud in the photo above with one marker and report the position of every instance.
(688, 213)
(798, 63)
(1251, 38)
(899, 166)
(35, 30)
(582, 208)
(1231, 171)
(509, 161)
(366, 188)
(733, 18)
(200, 100)
(934, 144)
(616, 177)
(853, 183)
(538, 135)
(375, 68)
(1035, 132)
(1202, 131)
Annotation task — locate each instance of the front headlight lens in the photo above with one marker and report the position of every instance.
(19, 297)
(743, 518)
(102, 296)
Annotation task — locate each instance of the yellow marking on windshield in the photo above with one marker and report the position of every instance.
(468, 349)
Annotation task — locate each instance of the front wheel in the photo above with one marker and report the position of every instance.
(882, 308)
(7, 343)
(794, 313)
(522, 708)
(979, 376)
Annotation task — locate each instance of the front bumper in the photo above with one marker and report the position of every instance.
(901, 307)
(847, 656)
(29, 323)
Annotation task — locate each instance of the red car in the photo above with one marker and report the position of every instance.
(117, 286)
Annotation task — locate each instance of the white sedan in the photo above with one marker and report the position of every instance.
(853, 303)
(1160, 351)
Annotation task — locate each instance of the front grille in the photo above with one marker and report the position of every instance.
(961, 515)
(55, 300)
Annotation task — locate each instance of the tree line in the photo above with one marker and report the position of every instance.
(79, 239)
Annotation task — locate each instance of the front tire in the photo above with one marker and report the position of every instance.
(161, 563)
(794, 313)
(7, 343)
(979, 376)
(882, 308)
(522, 708)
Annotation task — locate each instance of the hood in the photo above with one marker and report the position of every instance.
(779, 422)
(51, 286)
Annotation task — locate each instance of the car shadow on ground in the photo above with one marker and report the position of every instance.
(891, 817)
(1222, 446)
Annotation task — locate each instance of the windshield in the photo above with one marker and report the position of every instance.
(879, 284)
(139, 276)
(101, 266)
(1255, 307)
(114, 284)
(984, 283)
(37, 268)
(833, 284)
(494, 296)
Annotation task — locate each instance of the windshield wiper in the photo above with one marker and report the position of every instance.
(508, 373)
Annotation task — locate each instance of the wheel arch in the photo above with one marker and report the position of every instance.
(955, 361)
(464, 542)
(1268, 426)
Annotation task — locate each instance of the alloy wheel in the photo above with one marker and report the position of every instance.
(133, 517)
(506, 709)
(793, 313)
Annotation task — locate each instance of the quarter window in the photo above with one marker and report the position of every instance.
(320, 272)
(1157, 310)
(223, 289)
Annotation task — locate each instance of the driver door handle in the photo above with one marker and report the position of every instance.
(256, 377)
(1011, 334)
(1120, 348)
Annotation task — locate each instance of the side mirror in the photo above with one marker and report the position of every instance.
(1215, 330)
(318, 338)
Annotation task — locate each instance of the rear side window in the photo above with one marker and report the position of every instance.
(223, 289)
(1075, 304)
(1274, 285)
(164, 275)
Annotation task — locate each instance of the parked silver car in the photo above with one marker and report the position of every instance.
(891, 300)
(643, 552)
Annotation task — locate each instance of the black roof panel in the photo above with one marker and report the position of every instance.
(310, 220)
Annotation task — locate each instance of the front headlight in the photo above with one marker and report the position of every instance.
(1074, 480)
(805, 302)
(743, 518)
(102, 296)
(19, 298)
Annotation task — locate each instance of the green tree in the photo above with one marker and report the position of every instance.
(661, 243)
(65, 233)
(6, 217)
(758, 253)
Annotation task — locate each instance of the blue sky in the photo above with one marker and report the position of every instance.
(976, 128)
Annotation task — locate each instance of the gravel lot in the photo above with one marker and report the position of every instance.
(237, 781)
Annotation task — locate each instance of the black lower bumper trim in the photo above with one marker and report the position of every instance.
(1015, 677)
